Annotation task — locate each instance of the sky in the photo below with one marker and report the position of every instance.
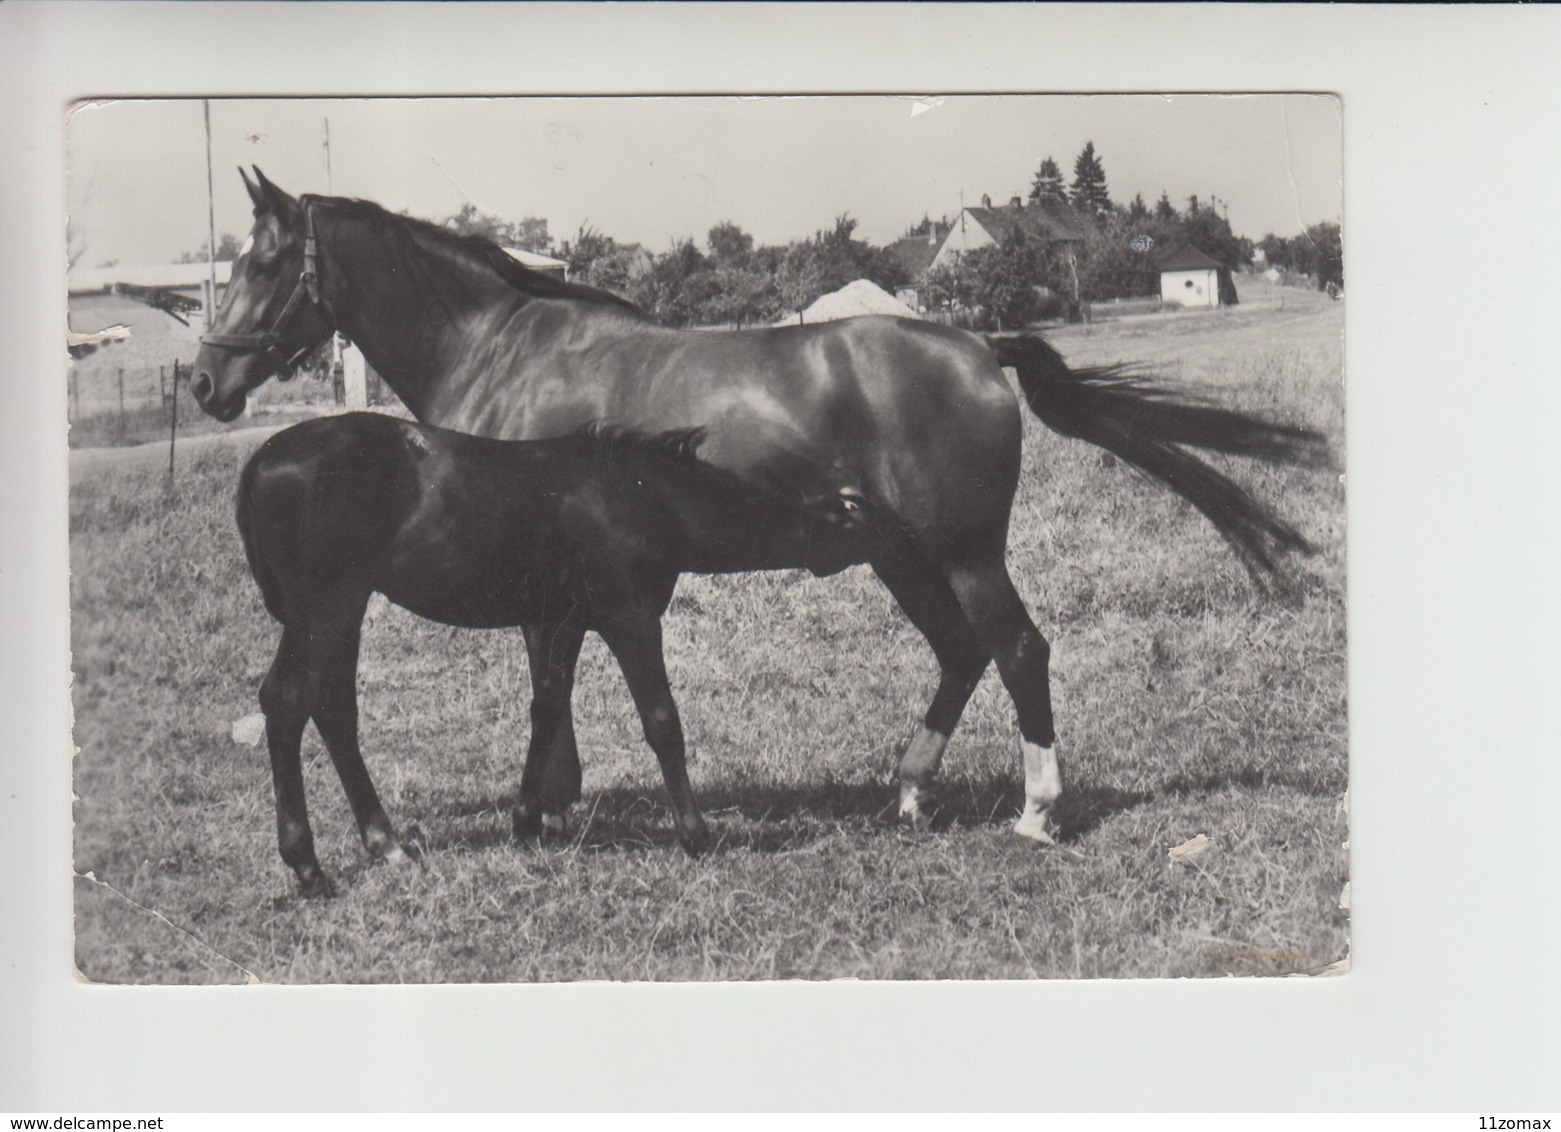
(656, 170)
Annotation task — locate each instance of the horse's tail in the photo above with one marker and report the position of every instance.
(270, 590)
(1149, 427)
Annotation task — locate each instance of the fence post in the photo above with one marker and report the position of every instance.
(173, 420)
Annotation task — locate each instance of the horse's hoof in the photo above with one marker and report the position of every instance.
(554, 826)
(918, 808)
(1037, 826)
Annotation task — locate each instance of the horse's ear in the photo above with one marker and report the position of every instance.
(256, 195)
(276, 200)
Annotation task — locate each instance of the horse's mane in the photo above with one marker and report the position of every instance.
(678, 443)
(532, 284)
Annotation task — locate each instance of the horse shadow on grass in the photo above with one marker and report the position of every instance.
(764, 818)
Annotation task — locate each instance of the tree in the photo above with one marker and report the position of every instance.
(1089, 193)
(1000, 286)
(799, 276)
(1205, 229)
(1163, 208)
(729, 245)
(1138, 210)
(585, 250)
(1048, 186)
(228, 248)
(929, 227)
(1114, 261)
(1318, 252)
(671, 291)
(529, 234)
(833, 258)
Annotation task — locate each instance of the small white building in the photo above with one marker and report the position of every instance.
(1190, 278)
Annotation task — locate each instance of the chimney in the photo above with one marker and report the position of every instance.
(1016, 203)
(986, 201)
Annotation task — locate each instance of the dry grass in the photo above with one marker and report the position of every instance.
(1185, 706)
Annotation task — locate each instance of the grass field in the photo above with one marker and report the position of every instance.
(1185, 704)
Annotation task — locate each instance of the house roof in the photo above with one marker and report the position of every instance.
(534, 260)
(1188, 258)
(192, 276)
(915, 253)
(170, 276)
(1040, 219)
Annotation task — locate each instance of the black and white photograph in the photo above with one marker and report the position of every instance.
(695, 538)
(778, 558)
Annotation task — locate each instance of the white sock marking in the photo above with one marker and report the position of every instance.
(918, 767)
(1042, 787)
(1042, 775)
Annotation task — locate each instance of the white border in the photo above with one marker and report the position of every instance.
(1452, 244)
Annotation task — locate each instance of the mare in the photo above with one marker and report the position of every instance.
(584, 533)
(914, 419)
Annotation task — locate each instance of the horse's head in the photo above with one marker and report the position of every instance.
(271, 316)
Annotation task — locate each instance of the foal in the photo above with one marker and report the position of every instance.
(588, 532)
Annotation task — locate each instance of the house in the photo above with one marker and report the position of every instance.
(1192, 278)
(1049, 222)
(914, 254)
(1054, 224)
(156, 299)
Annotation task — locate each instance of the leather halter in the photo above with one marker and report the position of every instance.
(269, 342)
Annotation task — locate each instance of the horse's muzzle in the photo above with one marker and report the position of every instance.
(204, 389)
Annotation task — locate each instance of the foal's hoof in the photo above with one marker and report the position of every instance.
(315, 886)
(526, 823)
(696, 842)
(1038, 826)
(408, 849)
(404, 850)
(531, 823)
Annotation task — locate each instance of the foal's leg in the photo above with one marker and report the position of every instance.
(559, 784)
(333, 679)
(925, 596)
(987, 596)
(636, 642)
(284, 698)
(552, 683)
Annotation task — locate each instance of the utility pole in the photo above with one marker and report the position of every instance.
(211, 224)
(336, 361)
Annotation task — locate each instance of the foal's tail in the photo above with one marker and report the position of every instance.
(270, 591)
(1151, 428)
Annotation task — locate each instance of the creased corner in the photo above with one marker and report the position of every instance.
(249, 976)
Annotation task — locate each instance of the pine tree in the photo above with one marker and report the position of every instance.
(1089, 185)
(1048, 186)
(1138, 210)
(1164, 209)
